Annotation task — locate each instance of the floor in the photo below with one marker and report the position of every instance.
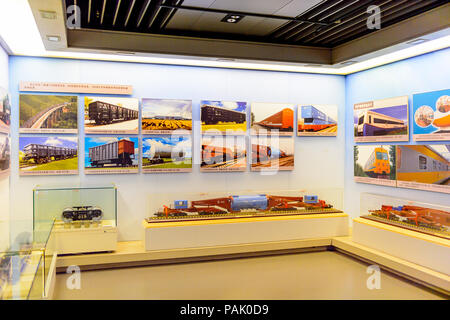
(315, 275)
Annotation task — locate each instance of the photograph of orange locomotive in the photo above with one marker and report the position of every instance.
(269, 118)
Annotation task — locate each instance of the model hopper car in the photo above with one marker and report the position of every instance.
(86, 213)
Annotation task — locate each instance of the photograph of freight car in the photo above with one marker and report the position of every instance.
(272, 119)
(48, 155)
(111, 115)
(5, 153)
(167, 153)
(223, 153)
(424, 167)
(223, 117)
(111, 155)
(48, 114)
(317, 120)
(375, 164)
(166, 116)
(5, 111)
(272, 154)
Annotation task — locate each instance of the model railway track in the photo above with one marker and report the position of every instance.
(242, 215)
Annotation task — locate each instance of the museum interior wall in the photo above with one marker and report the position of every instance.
(319, 161)
(4, 180)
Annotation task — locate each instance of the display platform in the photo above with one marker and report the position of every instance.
(222, 232)
(419, 248)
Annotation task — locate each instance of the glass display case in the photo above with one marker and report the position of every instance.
(243, 204)
(432, 219)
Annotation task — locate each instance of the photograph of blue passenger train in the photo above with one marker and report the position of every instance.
(317, 120)
(381, 120)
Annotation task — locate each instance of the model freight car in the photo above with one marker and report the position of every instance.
(214, 115)
(119, 153)
(42, 153)
(283, 120)
(314, 120)
(106, 113)
(82, 213)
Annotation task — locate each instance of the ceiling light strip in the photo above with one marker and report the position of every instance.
(143, 11)
(129, 12)
(89, 11)
(103, 11)
(117, 12)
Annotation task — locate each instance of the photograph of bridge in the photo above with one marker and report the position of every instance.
(48, 113)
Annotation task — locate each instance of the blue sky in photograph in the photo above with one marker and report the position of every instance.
(68, 142)
(166, 143)
(236, 106)
(166, 107)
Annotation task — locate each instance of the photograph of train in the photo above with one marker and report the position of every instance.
(272, 119)
(381, 120)
(111, 115)
(431, 116)
(48, 155)
(48, 114)
(317, 120)
(167, 153)
(223, 153)
(424, 167)
(166, 116)
(223, 117)
(111, 155)
(5, 154)
(375, 164)
(5, 110)
(272, 154)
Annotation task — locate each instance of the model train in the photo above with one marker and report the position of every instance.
(119, 153)
(238, 204)
(314, 120)
(378, 165)
(283, 120)
(106, 113)
(82, 213)
(214, 115)
(42, 153)
(372, 123)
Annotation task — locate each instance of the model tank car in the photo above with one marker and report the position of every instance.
(85, 213)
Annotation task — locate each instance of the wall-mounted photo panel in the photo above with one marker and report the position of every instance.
(166, 116)
(431, 111)
(5, 110)
(223, 153)
(223, 117)
(424, 167)
(167, 153)
(48, 114)
(317, 120)
(272, 153)
(5, 155)
(375, 164)
(272, 119)
(382, 120)
(111, 155)
(48, 155)
(111, 115)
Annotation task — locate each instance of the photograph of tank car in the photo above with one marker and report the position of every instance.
(431, 112)
(272, 119)
(111, 115)
(223, 153)
(223, 117)
(5, 110)
(48, 114)
(166, 116)
(425, 167)
(381, 120)
(5, 154)
(111, 155)
(317, 120)
(272, 154)
(167, 153)
(48, 155)
(375, 164)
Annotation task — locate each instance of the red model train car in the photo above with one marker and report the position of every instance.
(283, 120)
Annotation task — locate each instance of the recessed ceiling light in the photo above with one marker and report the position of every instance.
(232, 18)
(48, 14)
(54, 38)
(417, 41)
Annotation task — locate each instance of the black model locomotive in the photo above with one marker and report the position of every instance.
(83, 213)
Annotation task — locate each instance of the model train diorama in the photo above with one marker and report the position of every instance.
(247, 205)
(39, 153)
(282, 121)
(314, 120)
(82, 214)
(119, 153)
(214, 115)
(105, 113)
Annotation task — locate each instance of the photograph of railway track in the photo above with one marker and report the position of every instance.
(5, 111)
(48, 155)
(317, 120)
(167, 153)
(382, 120)
(272, 119)
(48, 114)
(166, 116)
(111, 155)
(375, 164)
(5, 154)
(424, 167)
(223, 117)
(111, 115)
(431, 112)
(272, 153)
(223, 153)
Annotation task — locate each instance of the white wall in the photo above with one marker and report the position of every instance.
(319, 162)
